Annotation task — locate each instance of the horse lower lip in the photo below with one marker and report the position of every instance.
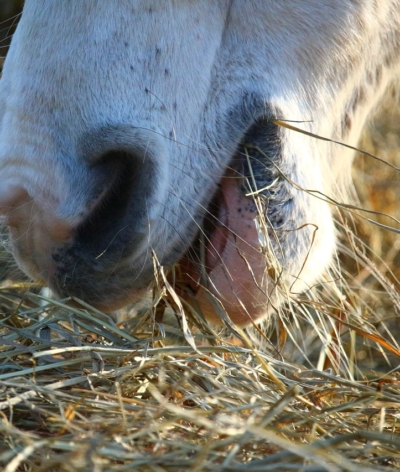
(233, 268)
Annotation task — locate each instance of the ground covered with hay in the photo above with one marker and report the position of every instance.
(318, 389)
(79, 392)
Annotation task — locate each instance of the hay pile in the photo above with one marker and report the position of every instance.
(79, 392)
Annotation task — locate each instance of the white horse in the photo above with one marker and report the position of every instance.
(130, 128)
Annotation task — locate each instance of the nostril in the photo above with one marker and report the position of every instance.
(117, 214)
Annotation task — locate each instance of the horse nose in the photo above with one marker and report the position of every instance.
(104, 205)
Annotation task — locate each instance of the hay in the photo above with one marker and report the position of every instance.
(80, 392)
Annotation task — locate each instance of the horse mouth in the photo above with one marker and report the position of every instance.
(207, 249)
(226, 263)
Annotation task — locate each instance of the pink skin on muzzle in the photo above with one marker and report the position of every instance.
(235, 264)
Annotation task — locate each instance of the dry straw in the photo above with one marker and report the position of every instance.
(79, 392)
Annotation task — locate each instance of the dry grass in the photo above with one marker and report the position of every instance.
(79, 392)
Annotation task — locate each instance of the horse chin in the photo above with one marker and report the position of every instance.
(225, 269)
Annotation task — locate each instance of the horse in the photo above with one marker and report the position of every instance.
(201, 134)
